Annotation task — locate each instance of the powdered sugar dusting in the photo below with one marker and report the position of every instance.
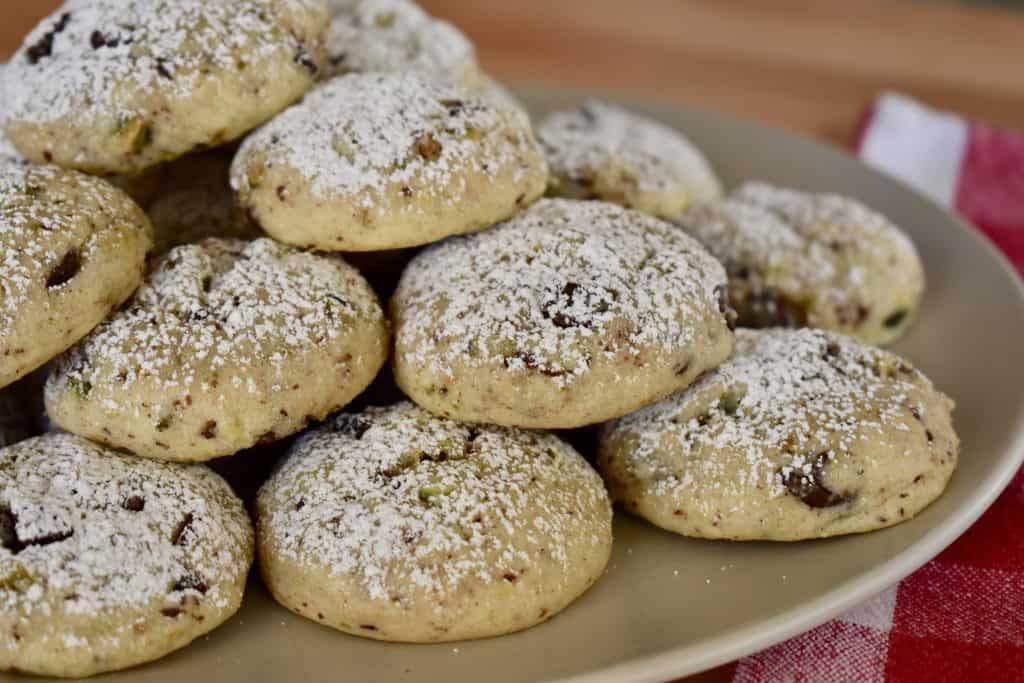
(597, 133)
(781, 392)
(76, 61)
(362, 133)
(397, 35)
(532, 291)
(100, 531)
(398, 497)
(220, 304)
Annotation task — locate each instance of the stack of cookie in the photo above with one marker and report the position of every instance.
(284, 163)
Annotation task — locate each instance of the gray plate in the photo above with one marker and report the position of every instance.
(666, 607)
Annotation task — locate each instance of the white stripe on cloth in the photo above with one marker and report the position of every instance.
(918, 145)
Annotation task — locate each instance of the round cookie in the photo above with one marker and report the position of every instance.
(193, 200)
(226, 345)
(117, 86)
(398, 525)
(798, 259)
(802, 434)
(569, 314)
(380, 161)
(108, 561)
(72, 248)
(601, 151)
(398, 36)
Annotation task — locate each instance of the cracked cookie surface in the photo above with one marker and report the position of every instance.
(570, 313)
(117, 86)
(227, 344)
(399, 525)
(798, 259)
(801, 434)
(381, 161)
(72, 248)
(108, 561)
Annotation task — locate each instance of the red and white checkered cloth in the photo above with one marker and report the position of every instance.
(961, 616)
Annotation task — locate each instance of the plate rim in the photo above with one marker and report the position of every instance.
(691, 659)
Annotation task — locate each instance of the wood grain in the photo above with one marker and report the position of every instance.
(809, 65)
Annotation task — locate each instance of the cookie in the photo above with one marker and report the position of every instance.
(802, 434)
(117, 86)
(108, 561)
(72, 248)
(797, 259)
(500, 96)
(601, 151)
(398, 36)
(382, 161)
(226, 345)
(193, 200)
(398, 525)
(570, 313)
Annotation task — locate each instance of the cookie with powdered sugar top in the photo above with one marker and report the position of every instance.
(602, 151)
(72, 248)
(801, 434)
(380, 161)
(227, 344)
(108, 561)
(569, 314)
(398, 36)
(799, 259)
(117, 86)
(399, 525)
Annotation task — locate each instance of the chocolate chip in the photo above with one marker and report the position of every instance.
(170, 612)
(190, 582)
(44, 46)
(161, 68)
(98, 40)
(209, 430)
(303, 59)
(511, 577)
(406, 191)
(282, 192)
(8, 532)
(725, 308)
(832, 350)
(768, 307)
(928, 435)
(351, 425)
(65, 270)
(134, 503)
(895, 319)
(811, 488)
(178, 537)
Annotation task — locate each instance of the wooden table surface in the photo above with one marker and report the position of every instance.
(809, 65)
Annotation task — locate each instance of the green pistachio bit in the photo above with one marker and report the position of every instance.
(142, 139)
(81, 387)
(384, 20)
(730, 402)
(164, 424)
(17, 580)
(429, 493)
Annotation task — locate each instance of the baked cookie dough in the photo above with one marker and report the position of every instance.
(398, 36)
(797, 259)
(226, 345)
(72, 248)
(108, 561)
(117, 86)
(382, 161)
(601, 151)
(802, 434)
(193, 200)
(398, 525)
(570, 313)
